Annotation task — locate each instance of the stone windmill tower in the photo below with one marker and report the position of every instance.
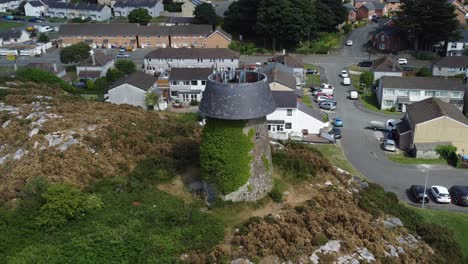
(235, 149)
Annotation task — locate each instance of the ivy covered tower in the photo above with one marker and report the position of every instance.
(235, 150)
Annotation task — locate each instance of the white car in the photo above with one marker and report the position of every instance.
(440, 194)
(349, 43)
(344, 74)
(402, 61)
(389, 145)
(122, 55)
(322, 98)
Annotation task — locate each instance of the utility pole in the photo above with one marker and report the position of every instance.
(425, 188)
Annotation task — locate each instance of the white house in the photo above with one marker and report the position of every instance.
(124, 7)
(163, 59)
(189, 6)
(6, 5)
(450, 66)
(398, 92)
(187, 84)
(455, 47)
(280, 77)
(292, 116)
(94, 67)
(294, 62)
(95, 12)
(132, 89)
(35, 9)
(13, 36)
(385, 67)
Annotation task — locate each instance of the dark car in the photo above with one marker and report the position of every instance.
(337, 132)
(365, 64)
(311, 71)
(459, 194)
(79, 84)
(407, 68)
(418, 192)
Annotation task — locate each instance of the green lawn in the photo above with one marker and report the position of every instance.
(458, 222)
(401, 158)
(321, 44)
(4, 25)
(336, 156)
(370, 102)
(307, 101)
(354, 67)
(7, 70)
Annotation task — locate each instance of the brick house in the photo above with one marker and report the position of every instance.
(459, 11)
(123, 7)
(189, 35)
(393, 6)
(359, 3)
(217, 39)
(153, 37)
(351, 11)
(389, 38)
(371, 10)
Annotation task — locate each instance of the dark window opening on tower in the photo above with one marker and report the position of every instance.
(257, 135)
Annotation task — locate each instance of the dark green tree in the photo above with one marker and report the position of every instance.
(205, 14)
(329, 14)
(114, 74)
(366, 78)
(424, 72)
(21, 8)
(170, 6)
(241, 17)
(427, 21)
(140, 16)
(101, 84)
(43, 38)
(125, 66)
(75, 53)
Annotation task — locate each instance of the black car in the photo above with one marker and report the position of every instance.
(418, 192)
(337, 132)
(311, 71)
(365, 64)
(459, 194)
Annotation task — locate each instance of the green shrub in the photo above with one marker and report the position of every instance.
(347, 27)
(319, 239)
(446, 151)
(424, 72)
(125, 66)
(276, 193)
(154, 171)
(426, 55)
(299, 161)
(43, 77)
(225, 154)
(245, 48)
(194, 103)
(392, 109)
(442, 240)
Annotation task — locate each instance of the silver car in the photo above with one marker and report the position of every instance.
(328, 106)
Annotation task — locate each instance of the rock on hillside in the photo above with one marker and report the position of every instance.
(44, 132)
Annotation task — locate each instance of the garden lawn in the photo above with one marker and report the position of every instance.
(336, 156)
(401, 158)
(5, 25)
(370, 102)
(312, 79)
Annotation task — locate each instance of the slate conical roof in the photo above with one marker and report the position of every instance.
(237, 95)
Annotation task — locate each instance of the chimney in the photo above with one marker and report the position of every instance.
(55, 67)
(93, 59)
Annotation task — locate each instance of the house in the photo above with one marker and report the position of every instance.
(279, 77)
(153, 37)
(293, 117)
(162, 60)
(35, 9)
(189, 6)
(132, 89)
(388, 37)
(189, 36)
(450, 66)
(67, 10)
(371, 10)
(123, 7)
(217, 39)
(294, 62)
(351, 11)
(99, 35)
(385, 67)
(12, 36)
(359, 3)
(94, 67)
(7, 5)
(53, 68)
(399, 92)
(460, 11)
(429, 123)
(178, 21)
(455, 47)
(393, 7)
(188, 84)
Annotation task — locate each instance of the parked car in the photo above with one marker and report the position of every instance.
(353, 95)
(402, 61)
(328, 106)
(346, 81)
(407, 68)
(419, 193)
(321, 98)
(344, 74)
(389, 145)
(79, 84)
(326, 85)
(337, 132)
(459, 194)
(320, 93)
(331, 100)
(440, 194)
(327, 91)
(122, 55)
(311, 71)
(349, 43)
(121, 49)
(337, 122)
(365, 64)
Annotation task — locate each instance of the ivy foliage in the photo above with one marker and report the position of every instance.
(225, 154)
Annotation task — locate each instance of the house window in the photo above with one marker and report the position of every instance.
(175, 83)
(193, 97)
(440, 68)
(382, 46)
(414, 93)
(402, 92)
(451, 69)
(455, 94)
(185, 97)
(429, 93)
(288, 125)
(454, 45)
(382, 38)
(203, 82)
(269, 127)
(388, 103)
(174, 93)
(279, 127)
(257, 135)
(186, 83)
(441, 93)
(194, 82)
(388, 92)
(289, 112)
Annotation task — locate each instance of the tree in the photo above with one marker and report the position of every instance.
(241, 17)
(75, 53)
(21, 8)
(205, 14)
(151, 99)
(424, 72)
(428, 21)
(170, 6)
(140, 16)
(114, 74)
(465, 52)
(125, 66)
(367, 78)
(43, 38)
(101, 84)
(329, 14)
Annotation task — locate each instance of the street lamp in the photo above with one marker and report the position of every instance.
(425, 184)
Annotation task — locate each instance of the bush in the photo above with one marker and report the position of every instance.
(319, 239)
(392, 109)
(426, 55)
(125, 66)
(43, 38)
(367, 78)
(347, 27)
(276, 193)
(442, 240)
(244, 48)
(424, 72)
(114, 74)
(449, 153)
(43, 77)
(194, 103)
(154, 171)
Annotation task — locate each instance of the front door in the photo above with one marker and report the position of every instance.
(273, 128)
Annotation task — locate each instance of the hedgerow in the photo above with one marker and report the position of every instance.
(225, 154)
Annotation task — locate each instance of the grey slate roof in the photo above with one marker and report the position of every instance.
(432, 108)
(111, 29)
(153, 31)
(349, 7)
(36, 3)
(285, 99)
(277, 72)
(138, 79)
(311, 112)
(188, 74)
(192, 53)
(374, 6)
(135, 3)
(422, 83)
(179, 20)
(403, 127)
(78, 6)
(48, 67)
(385, 64)
(237, 101)
(100, 58)
(452, 62)
(290, 60)
(10, 34)
(187, 30)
